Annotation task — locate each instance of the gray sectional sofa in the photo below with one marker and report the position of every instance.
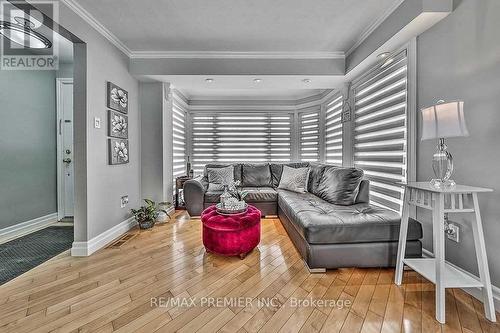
(326, 235)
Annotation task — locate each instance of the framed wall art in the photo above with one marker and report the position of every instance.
(117, 125)
(117, 98)
(118, 151)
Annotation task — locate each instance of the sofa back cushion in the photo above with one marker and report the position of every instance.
(294, 179)
(340, 186)
(256, 175)
(218, 177)
(237, 169)
(315, 174)
(277, 170)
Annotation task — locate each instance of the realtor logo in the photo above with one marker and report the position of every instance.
(27, 35)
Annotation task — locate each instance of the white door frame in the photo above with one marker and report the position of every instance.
(60, 154)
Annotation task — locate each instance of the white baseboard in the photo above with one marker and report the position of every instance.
(83, 249)
(23, 228)
(474, 292)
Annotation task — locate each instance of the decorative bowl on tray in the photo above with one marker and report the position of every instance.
(239, 207)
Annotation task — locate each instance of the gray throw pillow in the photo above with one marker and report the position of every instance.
(340, 186)
(256, 175)
(294, 179)
(218, 177)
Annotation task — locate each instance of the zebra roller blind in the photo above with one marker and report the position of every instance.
(380, 130)
(333, 130)
(309, 135)
(227, 137)
(179, 137)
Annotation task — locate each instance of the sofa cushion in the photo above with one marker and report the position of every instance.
(315, 173)
(260, 194)
(321, 222)
(255, 175)
(237, 169)
(212, 196)
(218, 177)
(339, 186)
(294, 179)
(255, 194)
(277, 170)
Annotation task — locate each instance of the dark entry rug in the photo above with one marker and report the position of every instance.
(22, 254)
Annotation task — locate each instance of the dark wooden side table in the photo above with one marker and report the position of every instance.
(179, 192)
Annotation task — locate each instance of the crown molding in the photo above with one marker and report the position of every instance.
(374, 25)
(234, 55)
(94, 23)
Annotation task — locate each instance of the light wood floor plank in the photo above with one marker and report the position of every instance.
(112, 291)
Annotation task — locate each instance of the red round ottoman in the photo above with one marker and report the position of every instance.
(234, 235)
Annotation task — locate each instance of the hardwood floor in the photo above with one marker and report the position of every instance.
(113, 289)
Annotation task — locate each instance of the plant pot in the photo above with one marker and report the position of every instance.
(146, 224)
(162, 217)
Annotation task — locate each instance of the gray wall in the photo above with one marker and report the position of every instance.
(150, 99)
(28, 173)
(105, 184)
(459, 58)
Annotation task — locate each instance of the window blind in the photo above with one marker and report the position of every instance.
(309, 135)
(227, 137)
(179, 137)
(333, 131)
(380, 130)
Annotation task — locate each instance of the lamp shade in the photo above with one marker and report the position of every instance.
(444, 120)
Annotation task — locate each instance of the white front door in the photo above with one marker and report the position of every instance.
(65, 163)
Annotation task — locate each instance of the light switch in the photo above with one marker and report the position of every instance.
(97, 122)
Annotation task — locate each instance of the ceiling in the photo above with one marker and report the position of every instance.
(238, 25)
(203, 27)
(276, 87)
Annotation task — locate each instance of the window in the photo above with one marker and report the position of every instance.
(179, 137)
(240, 137)
(333, 130)
(380, 130)
(309, 135)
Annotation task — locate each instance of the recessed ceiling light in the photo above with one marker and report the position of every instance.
(209, 80)
(257, 80)
(306, 80)
(384, 55)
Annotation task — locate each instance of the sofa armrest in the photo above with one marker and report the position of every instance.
(194, 195)
(364, 192)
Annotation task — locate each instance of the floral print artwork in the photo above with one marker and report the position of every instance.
(118, 151)
(117, 125)
(117, 98)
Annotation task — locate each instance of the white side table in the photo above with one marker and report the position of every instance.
(460, 199)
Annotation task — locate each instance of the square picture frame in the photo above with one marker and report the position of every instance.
(117, 125)
(118, 151)
(117, 98)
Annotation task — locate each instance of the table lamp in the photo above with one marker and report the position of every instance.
(440, 121)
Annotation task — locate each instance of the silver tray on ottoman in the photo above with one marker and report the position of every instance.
(223, 211)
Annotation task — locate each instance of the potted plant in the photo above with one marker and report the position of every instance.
(163, 208)
(146, 215)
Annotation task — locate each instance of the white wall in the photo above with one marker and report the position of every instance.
(105, 183)
(459, 58)
(151, 96)
(28, 177)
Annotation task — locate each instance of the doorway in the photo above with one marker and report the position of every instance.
(65, 169)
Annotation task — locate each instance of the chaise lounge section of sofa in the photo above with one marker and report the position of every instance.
(326, 235)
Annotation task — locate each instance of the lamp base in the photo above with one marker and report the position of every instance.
(443, 184)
